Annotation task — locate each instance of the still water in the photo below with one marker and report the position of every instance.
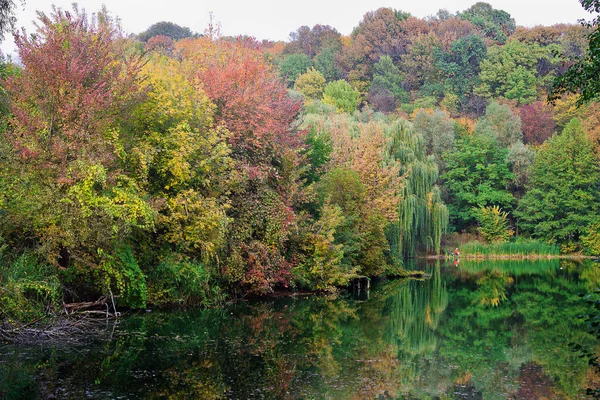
(487, 330)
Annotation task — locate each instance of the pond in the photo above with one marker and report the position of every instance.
(488, 330)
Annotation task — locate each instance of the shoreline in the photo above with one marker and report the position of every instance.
(507, 257)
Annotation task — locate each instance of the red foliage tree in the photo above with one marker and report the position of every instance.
(72, 88)
(537, 122)
(251, 100)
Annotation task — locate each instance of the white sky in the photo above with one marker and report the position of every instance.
(275, 19)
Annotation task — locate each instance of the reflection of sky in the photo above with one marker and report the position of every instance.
(273, 19)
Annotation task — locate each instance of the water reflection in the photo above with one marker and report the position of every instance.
(479, 330)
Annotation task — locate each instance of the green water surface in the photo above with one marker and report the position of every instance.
(486, 330)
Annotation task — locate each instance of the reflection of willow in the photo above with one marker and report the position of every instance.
(414, 312)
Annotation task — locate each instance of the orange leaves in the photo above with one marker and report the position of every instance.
(251, 100)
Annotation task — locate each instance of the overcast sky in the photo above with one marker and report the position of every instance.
(275, 19)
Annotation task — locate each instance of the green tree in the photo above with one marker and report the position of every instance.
(493, 224)
(293, 66)
(520, 158)
(496, 24)
(326, 65)
(510, 71)
(563, 195)
(460, 66)
(477, 175)
(591, 239)
(165, 28)
(341, 95)
(501, 124)
(438, 131)
(422, 215)
(386, 83)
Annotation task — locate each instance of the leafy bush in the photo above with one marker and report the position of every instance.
(182, 282)
(29, 291)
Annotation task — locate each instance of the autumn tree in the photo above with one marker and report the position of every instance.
(181, 158)
(311, 84)
(379, 33)
(581, 77)
(418, 64)
(252, 102)
(78, 81)
(312, 41)
(537, 122)
(450, 29)
(365, 183)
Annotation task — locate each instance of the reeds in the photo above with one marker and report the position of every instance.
(523, 248)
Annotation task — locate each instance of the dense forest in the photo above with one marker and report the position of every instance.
(172, 167)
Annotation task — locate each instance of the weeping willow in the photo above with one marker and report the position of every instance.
(422, 215)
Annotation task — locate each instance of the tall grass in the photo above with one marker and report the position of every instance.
(521, 248)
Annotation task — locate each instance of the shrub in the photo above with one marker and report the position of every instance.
(591, 240)
(493, 224)
(182, 282)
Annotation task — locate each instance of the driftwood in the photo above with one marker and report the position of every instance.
(102, 302)
(65, 330)
(79, 322)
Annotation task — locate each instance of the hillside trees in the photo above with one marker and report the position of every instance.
(582, 76)
(460, 67)
(495, 24)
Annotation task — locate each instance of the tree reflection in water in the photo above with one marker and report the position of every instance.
(480, 330)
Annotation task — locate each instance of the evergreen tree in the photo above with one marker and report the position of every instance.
(564, 193)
